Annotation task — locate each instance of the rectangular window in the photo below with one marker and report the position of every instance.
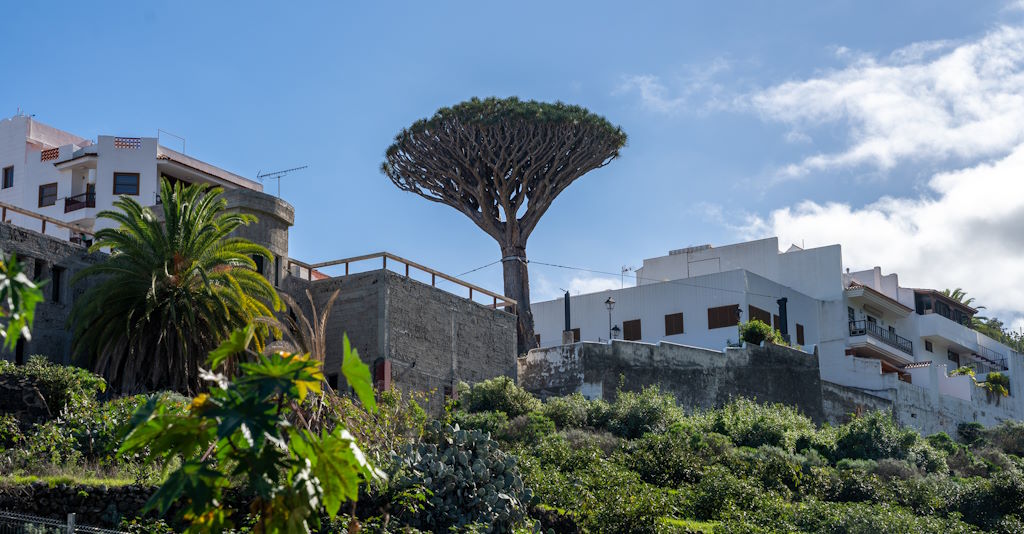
(277, 271)
(575, 335)
(673, 324)
(56, 275)
(723, 316)
(8, 177)
(850, 315)
(927, 345)
(757, 313)
(631, 330)
(258, 260)
(536, 337)
(953, 357)
(126, 183)
(776, 322)
(47, 195)
(799, 334)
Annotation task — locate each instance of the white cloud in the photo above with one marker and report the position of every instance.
(582, 285)
(930, 101)
(694, 90)
(966, 231)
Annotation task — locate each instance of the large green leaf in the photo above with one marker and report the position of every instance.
(236, 343)
(358, 376)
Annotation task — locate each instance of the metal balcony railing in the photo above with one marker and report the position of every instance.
(861, 328)
(77, 202)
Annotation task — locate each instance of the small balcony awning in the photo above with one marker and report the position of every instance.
(875, 300)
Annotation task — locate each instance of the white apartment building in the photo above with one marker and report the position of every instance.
(67, 179)
(870, 332)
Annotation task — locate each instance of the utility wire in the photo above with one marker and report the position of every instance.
(478, 268)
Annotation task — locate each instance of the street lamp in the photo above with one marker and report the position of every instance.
(615, 331)
(610, 304)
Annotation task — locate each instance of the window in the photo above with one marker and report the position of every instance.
(753, 312)
(8, 177)
(850, 315)
(56, 274)
(258, 260)
(928, 345)
(126, 183)
(723, 316)
(673, 324)
(47, 195)
(277, 271)
(953, 357)
(777, 322)
(575, 335)
(872, 320)
(536, 337)
(631, 330)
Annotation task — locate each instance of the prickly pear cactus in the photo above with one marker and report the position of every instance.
(470, 478)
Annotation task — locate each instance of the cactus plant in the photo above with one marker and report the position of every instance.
(468, 478)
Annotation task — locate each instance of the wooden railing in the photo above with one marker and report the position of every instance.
(496, 299)
(77, 202)
(44, 220)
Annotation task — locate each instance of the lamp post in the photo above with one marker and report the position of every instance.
(615, 331)
(610, 304)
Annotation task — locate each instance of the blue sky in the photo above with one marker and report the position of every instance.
(850, 122)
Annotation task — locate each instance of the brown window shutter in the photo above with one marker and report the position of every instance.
(723, 316)
(757, 313)
(799, 334)
(575, 334)
(673, 324)
(776, 322)
(631, 330)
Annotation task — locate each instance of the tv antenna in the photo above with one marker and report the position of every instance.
(277, 176)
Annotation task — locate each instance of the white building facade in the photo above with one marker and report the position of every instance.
(870, 333)
(68, 179)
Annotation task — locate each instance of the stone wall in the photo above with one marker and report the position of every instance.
(699, 378)
(432, 338)
(58, 261)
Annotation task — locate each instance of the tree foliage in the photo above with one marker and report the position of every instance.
(250, 429)
(18, 298)
(171, 290)
(502, 162)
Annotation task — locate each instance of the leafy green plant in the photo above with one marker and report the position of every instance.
(493, 423)
(635, 413)
(567, 412)
(498, 394)
(756, 331)
(18, 298)
(60, 385)
(250, 429)
(171, 290)
(469, 480)
(996, 386)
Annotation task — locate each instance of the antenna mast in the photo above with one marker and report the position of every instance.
(277, 176)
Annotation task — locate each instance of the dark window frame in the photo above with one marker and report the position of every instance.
(8, 172)
(132, 174)
(675, 324)
(928, 346)
(575, 335)
(56, 281)
(43, 187)
(799, 334)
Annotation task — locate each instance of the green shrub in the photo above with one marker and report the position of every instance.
(567, 412)
(499, 394)
(942, 442)
(971, 433)
(1008, 437)
(10, 431)
(602, 440)
(666, 459)
(634, 414)
(493, 423)
(59, 384)
(529, 428)
(468, 480)
(757, 331)
(751, 424)
(876, 435)
(720, 493)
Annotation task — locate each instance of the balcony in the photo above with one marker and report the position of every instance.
(77, 202)
(881, 342)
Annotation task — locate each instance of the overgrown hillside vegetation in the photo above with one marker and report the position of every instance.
(500, 460)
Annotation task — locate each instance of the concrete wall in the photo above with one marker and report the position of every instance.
(699, 378)
(432, 338)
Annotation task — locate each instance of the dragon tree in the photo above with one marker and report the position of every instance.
(502, 162)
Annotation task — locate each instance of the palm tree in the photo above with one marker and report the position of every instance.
(170, 291)
(960, 296)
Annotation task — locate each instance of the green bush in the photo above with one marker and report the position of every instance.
(666, 459)
(876, 435)
(10, 431)
(499, 394)
(567, 412)
(757, 331)
(59, 384)
(751, 424)
(493, 423)
(529, 428)
(1008, 437)
(634, 414)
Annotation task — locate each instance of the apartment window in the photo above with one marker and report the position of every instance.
(953, 357)
(631, 330)
(575, 335)
(723, 316)
(673, 324)
(928, 345)
(47, 194)
(8, 177)
(757, 313)
(126, 183)
(799, 334)
(850, 315)
(56, 277)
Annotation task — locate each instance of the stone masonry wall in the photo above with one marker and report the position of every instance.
(699, 378)
(42, 257)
